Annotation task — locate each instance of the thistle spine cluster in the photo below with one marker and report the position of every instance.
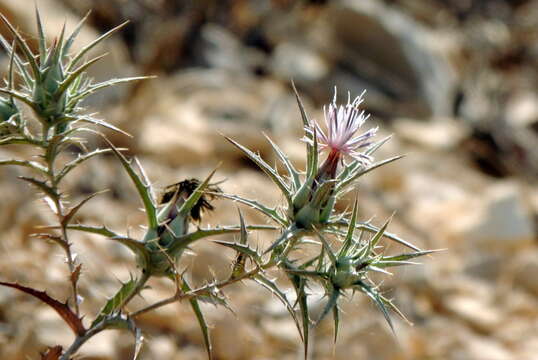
(53, 83)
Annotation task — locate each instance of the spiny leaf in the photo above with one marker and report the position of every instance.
(272, 213)
(273, 288)
(80, 159)
(373, 148)
(142, 188)
(331, 302)
(287, 235)
(299, 286)
(268, 170)
(306, 273)
(19, 96)
(185, 240)
(92, 120)
(372, 229)
(69, 42)
(294, 174)
(243, 239)
(24, 46)
(336, 319)
(71, 319)
(41, 185)
(348, 241)
(136, 247)
(17, 60)
(120, 321)
(99, 230)
(88, 47)
(117, 301)
(76, 74)
(29, 164)
(41, 35)
(377, 237)
(327, 247)
(201, 320)
(404, 257)
(242, 249)
(378, 301)
(354, 176)
(67, 218)
(96, 87)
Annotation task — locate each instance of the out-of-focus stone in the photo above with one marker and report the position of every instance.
(526, 269)
(301, 63)
(187, 124)
(394, 52)
(499, 220)
(219, 48)
(522, 110)
(480, 348)
(475, 311)
(441, 134)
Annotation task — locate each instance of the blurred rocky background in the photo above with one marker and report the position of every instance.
(455, 81)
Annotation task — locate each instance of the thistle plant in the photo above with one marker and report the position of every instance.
(53, 83)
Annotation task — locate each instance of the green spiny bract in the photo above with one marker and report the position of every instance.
(54, 83)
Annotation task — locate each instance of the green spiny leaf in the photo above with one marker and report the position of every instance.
(273, 288)
(333, 296)
(24, 46)
(117, 301)
(41, 185)
(327, 247)
(142, 188)
(272, 213)
(96, 87)
(355, 175)
(378, 301)
(91, 45)
(294, 174)
(69, 216)
(268, 170)
(348, 241)
(242, 249)
(184, 241)
(69, 42)
(201, 320)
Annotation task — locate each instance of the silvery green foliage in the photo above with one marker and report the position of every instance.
(347, 251)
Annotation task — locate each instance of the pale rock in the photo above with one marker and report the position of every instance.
(396, 52)
(499, 219)
(186, 126)
(283, 332)
(220, 48)
(50, 328)
(474, 311)
(526, 268)
(298, 62)
(438, 134)
(103, 345)
(162, 347)
(231, 345)
(522, 109)
(481, 348)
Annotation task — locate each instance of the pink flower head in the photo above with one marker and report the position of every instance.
(342, 123)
